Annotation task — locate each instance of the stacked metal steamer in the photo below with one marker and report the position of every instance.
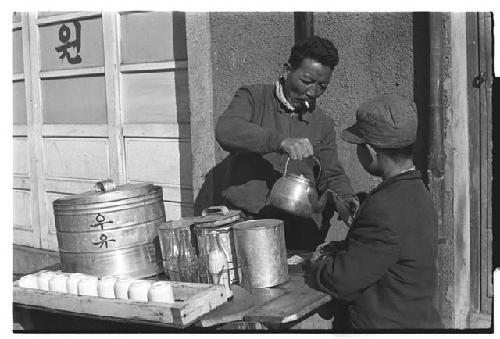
(111, 230)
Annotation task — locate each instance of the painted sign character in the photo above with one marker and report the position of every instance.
(64, 37)
(101, 220)
(103, 241)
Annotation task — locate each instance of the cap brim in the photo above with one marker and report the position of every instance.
(351, 135)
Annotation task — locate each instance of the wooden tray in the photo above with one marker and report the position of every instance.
(191, 302)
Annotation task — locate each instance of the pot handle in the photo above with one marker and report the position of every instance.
(214, 210)
(104, 186)
(319, 164)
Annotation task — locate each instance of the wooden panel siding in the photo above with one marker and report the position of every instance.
(16, 17)
(91, 52)
(54, 14)
(69, 185)
(19, 103)
(21, 160)
(158, 160)
(76, 158)
(21, 182)
(161, 45)
(19, 130)
(77, 100)
(75, 130)
(159, 130)
(17, 51)
(155, 97)
(22, 209)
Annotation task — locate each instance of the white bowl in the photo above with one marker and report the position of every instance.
(106, 286)
(161, 292)
(138, 290)
(87, 286)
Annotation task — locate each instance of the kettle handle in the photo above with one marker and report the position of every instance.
(319, 164)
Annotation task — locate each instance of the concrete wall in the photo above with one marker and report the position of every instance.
(376, 57)
(247, 48)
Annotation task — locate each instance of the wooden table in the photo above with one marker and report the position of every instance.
(293, 305)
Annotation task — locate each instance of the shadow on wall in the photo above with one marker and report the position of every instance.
(213, 185)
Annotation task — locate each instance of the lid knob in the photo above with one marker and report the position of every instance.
(104, 186)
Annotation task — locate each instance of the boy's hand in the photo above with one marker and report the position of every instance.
(346, 208)
(318, 252)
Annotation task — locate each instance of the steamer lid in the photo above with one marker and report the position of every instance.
(106, 191)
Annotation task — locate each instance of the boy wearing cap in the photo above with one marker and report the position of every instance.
(385, 268)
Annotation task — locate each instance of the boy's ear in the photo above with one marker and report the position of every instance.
(287, 67)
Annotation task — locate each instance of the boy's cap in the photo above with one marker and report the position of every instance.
(386, 121)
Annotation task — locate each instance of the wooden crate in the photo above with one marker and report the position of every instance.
(191, 302)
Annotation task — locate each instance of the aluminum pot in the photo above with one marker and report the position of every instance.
(111, 230)
(261, 253)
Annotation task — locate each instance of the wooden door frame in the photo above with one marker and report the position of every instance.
(479, 87)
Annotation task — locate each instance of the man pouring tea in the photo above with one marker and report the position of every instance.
(270, 129)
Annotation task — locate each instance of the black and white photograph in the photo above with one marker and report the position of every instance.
(251, 171)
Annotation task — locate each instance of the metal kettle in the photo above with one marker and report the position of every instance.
(296, 194)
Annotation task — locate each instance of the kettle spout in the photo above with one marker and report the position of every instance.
(324, 200)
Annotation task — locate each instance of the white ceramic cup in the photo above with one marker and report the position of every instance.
(43, 280)
(87, 286)
(106, 286)
(122, 285)
(58, 283)
(138, 290)
(72, 282)
(29, 281)
(161, 292)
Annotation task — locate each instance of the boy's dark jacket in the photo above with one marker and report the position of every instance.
(386, 268)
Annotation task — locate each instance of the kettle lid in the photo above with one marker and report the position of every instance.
(299, 177)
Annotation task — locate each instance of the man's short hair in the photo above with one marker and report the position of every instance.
(316, 48)
(397, 154)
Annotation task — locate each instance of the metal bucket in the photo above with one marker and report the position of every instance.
(261, 253)
(111, 230)
(219, 219)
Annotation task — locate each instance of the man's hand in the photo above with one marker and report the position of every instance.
(297, 148)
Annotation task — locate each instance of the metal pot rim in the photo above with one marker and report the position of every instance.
(258, 223)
